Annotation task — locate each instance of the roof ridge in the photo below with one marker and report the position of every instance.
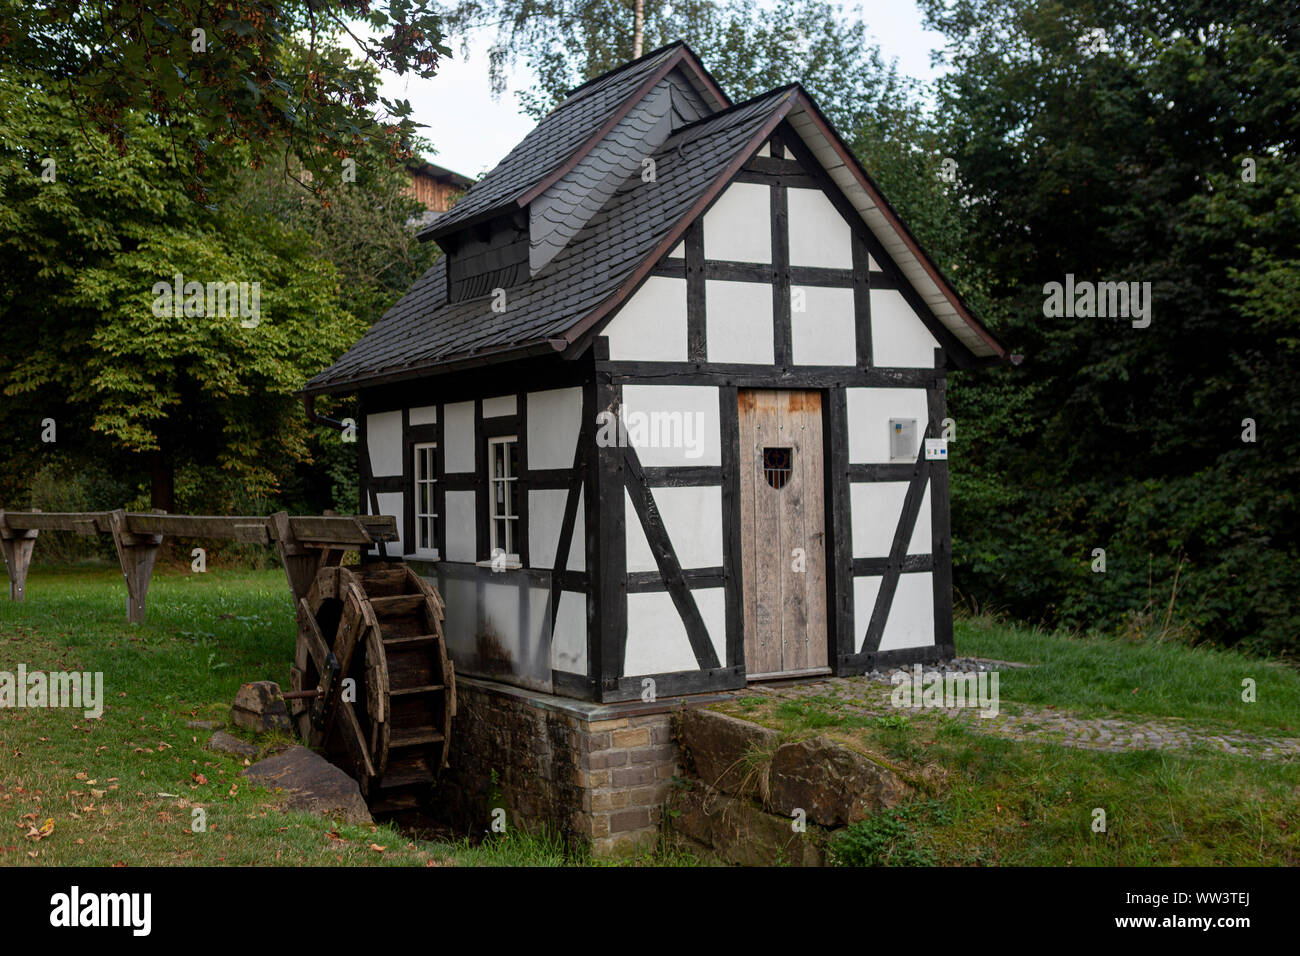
(645, 57)
(735, 107)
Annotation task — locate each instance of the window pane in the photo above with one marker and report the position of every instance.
(513, 461)
(513, 508)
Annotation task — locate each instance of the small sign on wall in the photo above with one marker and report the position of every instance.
(936, 449)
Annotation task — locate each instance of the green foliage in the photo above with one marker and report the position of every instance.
(225, 76)
(83, 486)
(748, 49)
(1107, 141)
(883, 839)
(208, 397)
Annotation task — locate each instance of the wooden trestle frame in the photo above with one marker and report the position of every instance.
(306, 543)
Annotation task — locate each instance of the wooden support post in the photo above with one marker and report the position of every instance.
(17, 547)
(137, 553)
(300, 561)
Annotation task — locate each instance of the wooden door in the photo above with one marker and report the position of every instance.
(783, 532)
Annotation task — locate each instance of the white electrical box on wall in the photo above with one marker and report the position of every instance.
(902, 439)
(936, 449)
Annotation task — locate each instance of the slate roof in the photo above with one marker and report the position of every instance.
(552, 141)
(421, 331)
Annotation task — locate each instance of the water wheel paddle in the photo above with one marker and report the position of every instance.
(370, 642)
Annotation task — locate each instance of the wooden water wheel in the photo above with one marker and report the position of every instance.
(371, 647)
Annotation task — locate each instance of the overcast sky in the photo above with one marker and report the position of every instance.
(472, 131)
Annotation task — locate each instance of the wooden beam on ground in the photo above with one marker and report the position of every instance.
(137, 553)
(17, 543)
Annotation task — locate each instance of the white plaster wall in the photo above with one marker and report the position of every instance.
(865, 591)
(545, 518)
(569, 640)
(738, 227)
(688, 411)
(656, 636)
(898, 338)
(461, 596)
(554, 419)
(823, 332)
(425, 415)
(384, 441)
(920, 542)
(458, 437)
(693, 519)
(869, 412)
(391, 503)
(738, 318)
(500, 406)
(875, 509)
(651, 327)
(712, 603)
(819, 236)
(462, 540)
(678, 251)
(911, 617)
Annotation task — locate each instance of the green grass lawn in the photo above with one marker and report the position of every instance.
(985, 800)
(1095, 675)
(122, 789)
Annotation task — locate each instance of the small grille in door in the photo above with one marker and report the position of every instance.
(777, 465)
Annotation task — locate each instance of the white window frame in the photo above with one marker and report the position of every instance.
(511, 521)
(418, 452)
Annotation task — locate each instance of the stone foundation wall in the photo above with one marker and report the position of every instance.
(751, 797)
(596, 775)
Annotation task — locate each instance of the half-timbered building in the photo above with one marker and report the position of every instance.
(667, 415)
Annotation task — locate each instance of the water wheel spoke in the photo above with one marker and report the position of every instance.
(381, 625)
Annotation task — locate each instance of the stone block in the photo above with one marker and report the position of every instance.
(834, 784)
(727, 753)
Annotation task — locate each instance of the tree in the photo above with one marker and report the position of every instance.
(748, 49)
(1106, 141)
(89, 237)
(228, 74)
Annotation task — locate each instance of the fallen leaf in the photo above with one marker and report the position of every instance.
(377, 848)
(45, 829)
(199, 778)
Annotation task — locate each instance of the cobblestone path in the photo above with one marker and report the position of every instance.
(869, 694)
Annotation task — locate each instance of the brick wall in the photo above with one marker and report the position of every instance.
(591, 774)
